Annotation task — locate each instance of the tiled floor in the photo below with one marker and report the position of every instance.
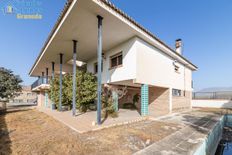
(84, 122)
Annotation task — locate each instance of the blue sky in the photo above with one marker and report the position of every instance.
(204, 26)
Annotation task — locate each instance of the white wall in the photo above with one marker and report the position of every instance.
(126, 72)
(144, 64)
(157, 69)
(212, 103)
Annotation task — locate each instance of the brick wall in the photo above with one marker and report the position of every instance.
(180, 103)
(159, 101)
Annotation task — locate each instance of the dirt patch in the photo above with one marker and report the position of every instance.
(27, 131)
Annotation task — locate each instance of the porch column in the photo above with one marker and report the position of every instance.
(53, 70)
(60, 95)
(46, 92)
(46, 75)
(74, 77)
(99, 59)
(53, 76)
(144, 99)
(42, 78)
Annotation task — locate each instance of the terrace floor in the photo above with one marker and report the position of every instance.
(84, 122)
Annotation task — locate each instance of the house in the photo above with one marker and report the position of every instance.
(98, 35)
(25, 96)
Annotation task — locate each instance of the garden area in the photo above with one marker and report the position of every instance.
(28, 131)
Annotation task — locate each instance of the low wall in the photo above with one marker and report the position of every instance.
(212, 103)
(209, 146)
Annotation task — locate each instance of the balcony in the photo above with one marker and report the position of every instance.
(40, 84)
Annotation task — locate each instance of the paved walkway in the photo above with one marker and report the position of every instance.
(187, 140)
(84, 122)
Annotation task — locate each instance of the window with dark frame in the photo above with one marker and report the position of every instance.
(116, 60)
(96, 67)
(176, 92)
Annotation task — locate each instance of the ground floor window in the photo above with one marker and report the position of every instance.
(176, 92)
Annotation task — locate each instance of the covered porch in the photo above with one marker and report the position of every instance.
(85, 30)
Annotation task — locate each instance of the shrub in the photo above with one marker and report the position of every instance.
(86, 93)
(86, 90)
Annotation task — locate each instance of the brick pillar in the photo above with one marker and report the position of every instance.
(144, 99)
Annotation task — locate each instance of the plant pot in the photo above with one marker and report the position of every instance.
(53, 106)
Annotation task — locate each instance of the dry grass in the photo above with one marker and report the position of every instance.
(27, 131)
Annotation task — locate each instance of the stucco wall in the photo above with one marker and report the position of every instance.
(156, 68)
(181, 103)
(128, 69)
(212, 103)
(41, 98)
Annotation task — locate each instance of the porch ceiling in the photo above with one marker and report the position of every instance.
(80, 24)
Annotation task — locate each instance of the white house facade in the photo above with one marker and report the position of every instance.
(92, 33)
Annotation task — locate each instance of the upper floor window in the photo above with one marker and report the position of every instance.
(116, 60)
(96, 67)
(176, 92)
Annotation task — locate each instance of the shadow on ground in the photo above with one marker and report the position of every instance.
(204, 118)
(5, 141)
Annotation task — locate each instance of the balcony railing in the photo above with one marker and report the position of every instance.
(39, 82)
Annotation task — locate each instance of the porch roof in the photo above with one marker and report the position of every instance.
(78, 22)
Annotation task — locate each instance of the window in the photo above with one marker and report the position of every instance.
(96, 67)
(29, 94)
(177, 68)
(176, 92)
(116, 60)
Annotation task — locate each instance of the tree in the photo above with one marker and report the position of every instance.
(9, 84)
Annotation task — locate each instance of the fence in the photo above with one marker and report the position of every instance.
(226, 95)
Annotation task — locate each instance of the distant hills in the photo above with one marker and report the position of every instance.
(215, 89)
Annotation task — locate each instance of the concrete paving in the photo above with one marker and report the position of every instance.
(84, 122)
(197, 126)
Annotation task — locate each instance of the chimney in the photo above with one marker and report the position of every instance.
(179, 46)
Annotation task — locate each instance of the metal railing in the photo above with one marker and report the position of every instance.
(39, 82)
(226, 95)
